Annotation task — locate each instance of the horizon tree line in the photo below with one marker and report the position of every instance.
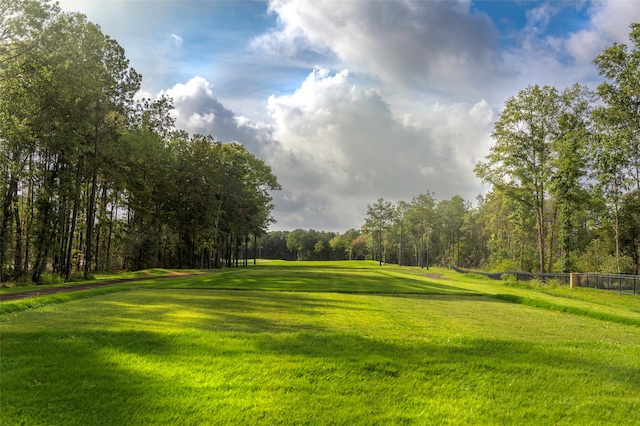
(565, 186)
(93, 179)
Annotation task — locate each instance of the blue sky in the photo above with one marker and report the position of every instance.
(350, 101)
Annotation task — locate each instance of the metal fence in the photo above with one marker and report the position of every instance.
(629, 284)
(613, 282)
(561, 278)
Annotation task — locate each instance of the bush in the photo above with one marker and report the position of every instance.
(50, 278)
(509, 278)
(504, 265)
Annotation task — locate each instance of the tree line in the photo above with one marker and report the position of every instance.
(421, 232)
(92, 179)
(565, 183)
(564, 173)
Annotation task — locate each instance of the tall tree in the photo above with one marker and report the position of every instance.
(420, 216)
(620, 92)
(617, 154)
(569, 163)
(630, 227)
(109, 88)
(23, 26)
(379, 216)
(450, 215)
(401, 209)
(519, 163)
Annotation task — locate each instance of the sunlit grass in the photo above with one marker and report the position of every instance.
(12, 287)
(273, 344)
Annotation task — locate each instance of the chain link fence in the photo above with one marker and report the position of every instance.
(613, 282)
(629, 284)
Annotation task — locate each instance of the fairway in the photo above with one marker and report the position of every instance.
(323, 343)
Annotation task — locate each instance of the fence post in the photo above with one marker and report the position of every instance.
(572, 279)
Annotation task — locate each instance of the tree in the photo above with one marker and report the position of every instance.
(630, 227)
(379, 215)
(23, 26)
(21, 30)
(620, 92)
(295, 242)
(89, 179)
(569, 164)
(319, 248)
(450, 219)
(401, 209)
(420, 215)
(519, 163)
(617, 155)
(109, 88)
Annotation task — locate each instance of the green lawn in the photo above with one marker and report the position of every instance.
(322, 343)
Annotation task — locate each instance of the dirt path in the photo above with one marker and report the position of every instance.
(77, 287)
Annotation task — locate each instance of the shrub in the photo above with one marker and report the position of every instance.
(509, 278)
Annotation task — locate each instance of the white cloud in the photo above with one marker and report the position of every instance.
(336, 147)
(609, 23)
(413, 113)
(176, 39)
(197, 110)
(340, 147)
(410, 44)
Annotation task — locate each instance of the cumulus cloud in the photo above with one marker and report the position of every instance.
(609, 23)
(197, 110)
(562, 59)
(424, 44)
(336, 147)
(341, 147)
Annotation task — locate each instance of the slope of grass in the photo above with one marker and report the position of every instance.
(13, 287)
(318, 344)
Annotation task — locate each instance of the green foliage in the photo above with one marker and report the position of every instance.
(619, 264)
(504, 265)
(48, 279)
(379, 217)
(508, 279)
(564, 173)
(92, 180)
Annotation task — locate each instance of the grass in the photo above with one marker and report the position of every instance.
(322, 343)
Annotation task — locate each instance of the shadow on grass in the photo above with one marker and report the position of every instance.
(140, 377)
(591, 313)
(221, 310)
(314, 279)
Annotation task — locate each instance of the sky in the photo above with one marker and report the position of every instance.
(354, 100)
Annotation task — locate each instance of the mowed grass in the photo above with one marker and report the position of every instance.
(323, 343)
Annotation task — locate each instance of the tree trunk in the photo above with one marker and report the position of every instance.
(541, 227)
(422, 249)
(541, 242)
(255, 248)
(109, 235)
(380, 245)
(72, 230)
(92, 199)
(6, 222)
(552, 237)
(17, 254)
